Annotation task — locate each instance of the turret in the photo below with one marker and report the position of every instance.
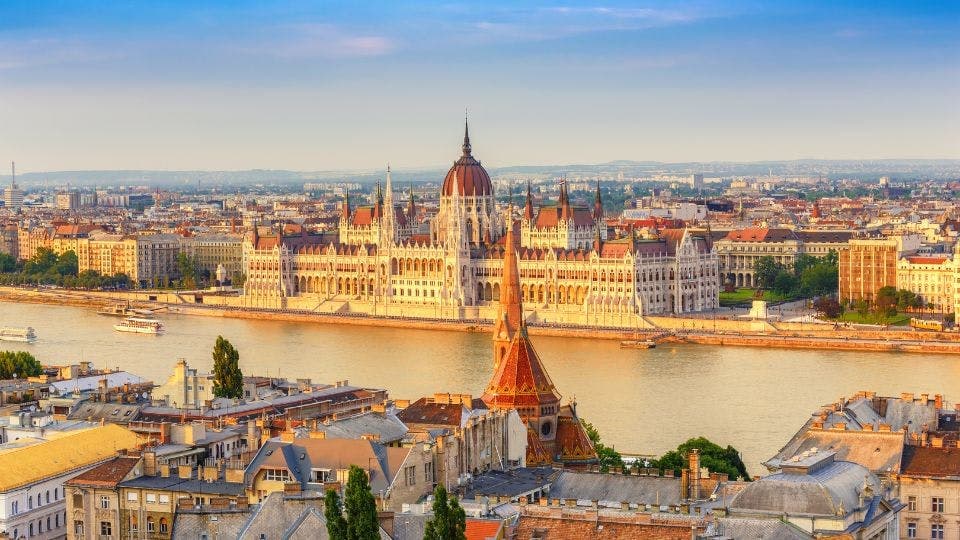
(528, 205)
(598, 205)
(565, 211)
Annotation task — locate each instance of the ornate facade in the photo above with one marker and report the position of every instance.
(378, 263)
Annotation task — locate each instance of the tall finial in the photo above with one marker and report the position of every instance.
(466, 134)
(13, 174)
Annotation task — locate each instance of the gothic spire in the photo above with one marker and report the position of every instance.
(466, 137)
(528, 204)
(598, 204)
(509, 311)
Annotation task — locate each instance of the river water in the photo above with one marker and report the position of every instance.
(643, 401)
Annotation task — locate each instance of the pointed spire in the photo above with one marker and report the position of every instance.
(378, 202)
(510, 310)
(466, 136)
(389, 189)
(411, 206)
(565, 210)
(528, 205)
(345, 212)
(598, 205)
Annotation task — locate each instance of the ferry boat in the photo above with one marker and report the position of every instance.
(22, 335)
(637, 344)
(139, 325)
(117, 310)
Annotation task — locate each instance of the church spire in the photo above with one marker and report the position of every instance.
(598, 205)
(509, 310)
(466, 136)
(528, 204)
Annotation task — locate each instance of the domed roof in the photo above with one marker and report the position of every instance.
(467, 175)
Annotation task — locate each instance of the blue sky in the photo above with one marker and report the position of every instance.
(331, 85)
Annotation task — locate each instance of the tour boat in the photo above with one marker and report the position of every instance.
(139, 326)
(117, 310)
(637, 344)
(23, 335)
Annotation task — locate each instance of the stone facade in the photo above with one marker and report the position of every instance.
(378, 265)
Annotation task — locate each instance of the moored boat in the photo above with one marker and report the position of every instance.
(22, 335)
(139, 325)
(637, 344)
(117, 310)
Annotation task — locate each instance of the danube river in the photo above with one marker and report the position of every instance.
(643, 401)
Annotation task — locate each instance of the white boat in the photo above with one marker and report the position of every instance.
(22, 335)
(117, 310)
(139, 325)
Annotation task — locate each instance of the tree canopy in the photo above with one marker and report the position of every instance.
(449, 521)
(712, 456)
(227, 378)
(361, 507)
(333, 513)
(19, 363)
(765, 271)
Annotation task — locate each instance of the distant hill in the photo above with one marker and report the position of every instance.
(900, 169)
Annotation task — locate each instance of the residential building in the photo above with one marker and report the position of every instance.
(932, 278)
(212, 250)
(813, 495)
(32, 491)
(869, 264)
(93, 500)
(397, 475)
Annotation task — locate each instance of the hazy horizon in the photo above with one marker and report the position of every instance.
(283, 85)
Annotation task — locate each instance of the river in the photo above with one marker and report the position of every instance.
(643, 401)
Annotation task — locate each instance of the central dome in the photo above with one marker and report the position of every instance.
(467, 176)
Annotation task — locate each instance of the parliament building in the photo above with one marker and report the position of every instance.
(379, 263)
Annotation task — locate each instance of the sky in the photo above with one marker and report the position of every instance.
(232, 85)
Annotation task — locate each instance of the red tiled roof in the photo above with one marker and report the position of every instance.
(482, 529)
(928, 461)
(761, 234)
(919, 259)
(549, 216)
(572, 442)
(107, 474)
(437, 414)
(520, 380)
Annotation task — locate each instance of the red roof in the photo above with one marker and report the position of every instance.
(107, 474)
(520, 380)
(467, 175)
(929, 461)
(549, 216)
(482, 529)
(761, 234)
(927, 260)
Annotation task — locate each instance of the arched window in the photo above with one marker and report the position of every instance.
(151, 526)
(163, 525)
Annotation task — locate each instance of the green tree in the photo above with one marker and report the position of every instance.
(362, 523)
(333, 512)
(67, 263)
(449, 521)
(227, 378)
(41, 262)
(8, 264)
(819, 279)
(607, 456)
(712, 456)
(19, 363)
(785, 282)
(765, 271)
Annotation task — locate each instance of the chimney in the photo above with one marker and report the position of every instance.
(694, 466)
(938, 401)
(149, 463)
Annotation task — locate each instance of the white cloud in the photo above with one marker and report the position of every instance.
(321, 41)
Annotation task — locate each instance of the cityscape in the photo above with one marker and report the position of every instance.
(507, 271)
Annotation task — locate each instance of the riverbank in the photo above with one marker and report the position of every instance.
(675, 330)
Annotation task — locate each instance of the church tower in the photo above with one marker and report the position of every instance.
(519, 379)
